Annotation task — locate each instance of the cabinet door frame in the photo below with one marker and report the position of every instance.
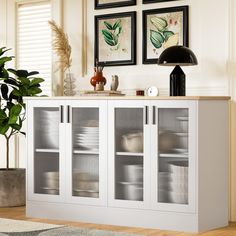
(31, 195)
(112, 105)
(102, 106)
(192, 177)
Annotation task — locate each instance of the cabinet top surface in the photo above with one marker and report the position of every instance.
(130, 98)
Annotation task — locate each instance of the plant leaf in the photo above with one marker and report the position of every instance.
(167, 34)
(155, 39)
(36, 81)
(16, 93)
(11, 81)
(4, 91)
(22, 73)
(3, 50)
(109, 42)
(157, 36)
(159, 22)
(108, 25)
(117, 24)
(33, 91)
(3, 73)
(23, 133)
(25, 81)
(33, 73)
(4, 128)
(3, 60)
(3, 115)
(14, 113)
(16, 126)
(107, 34)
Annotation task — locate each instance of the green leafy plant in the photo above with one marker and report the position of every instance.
(162, 36)
(112, 32)
(14, 85)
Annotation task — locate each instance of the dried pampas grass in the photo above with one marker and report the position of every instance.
(61, 46)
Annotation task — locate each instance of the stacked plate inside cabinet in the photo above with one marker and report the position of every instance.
(178, 182)
(87, 138)
(164, 179)
(49, 128)
(183, 123)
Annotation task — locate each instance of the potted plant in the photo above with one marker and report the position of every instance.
(14, 85)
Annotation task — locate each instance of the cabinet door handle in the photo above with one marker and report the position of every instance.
(62, 114)
(68, 114)
(153, 115)
(146, 115)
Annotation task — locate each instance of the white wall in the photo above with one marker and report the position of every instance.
(208, 38)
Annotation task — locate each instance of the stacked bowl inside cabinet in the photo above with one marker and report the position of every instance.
(87, 137)
(85, 184)
(51, 182)
(49, 121)
(178, 184)
(133, 182)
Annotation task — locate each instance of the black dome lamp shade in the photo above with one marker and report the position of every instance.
(177, 56)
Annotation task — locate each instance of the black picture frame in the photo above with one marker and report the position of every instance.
(119, 49)
(151, 44)
(98, 5)
(155, 1)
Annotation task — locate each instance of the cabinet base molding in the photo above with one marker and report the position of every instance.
(187, 222)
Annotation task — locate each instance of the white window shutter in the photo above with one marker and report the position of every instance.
(34, 41)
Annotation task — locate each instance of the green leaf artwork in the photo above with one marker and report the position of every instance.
(111, 34)
(162, 36)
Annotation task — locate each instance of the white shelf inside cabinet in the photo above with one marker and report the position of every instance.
(176, 155)
(47, 150)
(129, 154)
(96, 152)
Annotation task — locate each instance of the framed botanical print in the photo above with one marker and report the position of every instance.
(115, 39)
(163, 28)
(153, 1)
(102, 4)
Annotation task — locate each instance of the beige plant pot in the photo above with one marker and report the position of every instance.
(12, 187)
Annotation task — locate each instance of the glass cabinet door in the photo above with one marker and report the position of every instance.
(46, 150)
(174, 170)
(128, 154)
(173, 158)
(85, 159)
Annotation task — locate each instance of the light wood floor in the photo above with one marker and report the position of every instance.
(18, 213)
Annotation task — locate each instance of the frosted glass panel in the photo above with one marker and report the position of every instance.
(46, 148)
(173, 161)
(129, 154)
(85, 158)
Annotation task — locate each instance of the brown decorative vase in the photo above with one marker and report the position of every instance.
(97, 78)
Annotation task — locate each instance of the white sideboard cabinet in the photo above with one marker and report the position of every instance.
(134, 161)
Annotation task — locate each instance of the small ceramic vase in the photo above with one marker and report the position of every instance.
(114, 82)
(97, 78)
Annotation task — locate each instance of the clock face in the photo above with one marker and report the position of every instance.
(152, 91)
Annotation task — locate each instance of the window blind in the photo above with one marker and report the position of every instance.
(34, 43)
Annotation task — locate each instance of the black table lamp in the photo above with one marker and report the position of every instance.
(177, 56)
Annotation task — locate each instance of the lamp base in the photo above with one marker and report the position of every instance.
(177, 82)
